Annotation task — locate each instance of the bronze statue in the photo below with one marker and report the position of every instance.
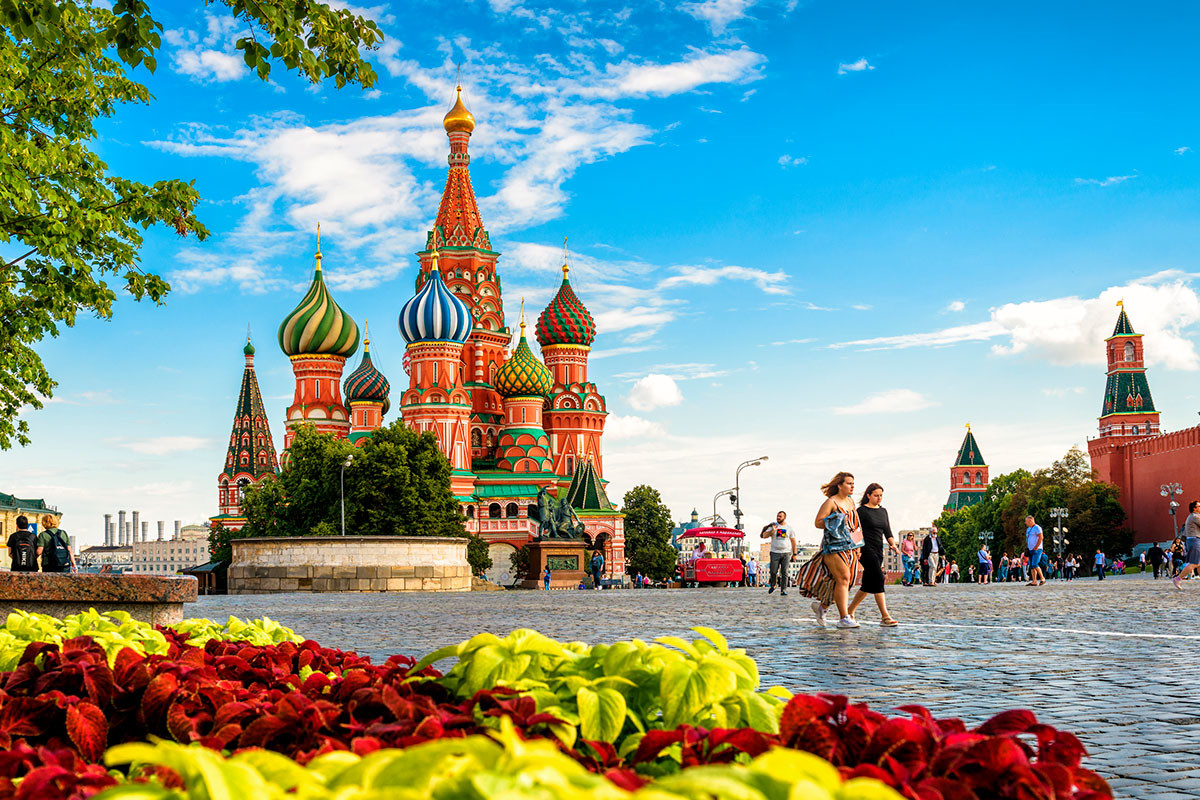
(557, 520)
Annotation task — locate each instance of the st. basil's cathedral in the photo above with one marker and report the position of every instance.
(510, 423)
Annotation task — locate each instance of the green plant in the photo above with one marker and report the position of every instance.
(615, 693)
(113, 631)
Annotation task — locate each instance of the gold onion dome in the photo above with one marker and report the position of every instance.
(523, 375)
(318, 326)
(458, 119)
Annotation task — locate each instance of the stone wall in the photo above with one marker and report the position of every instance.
(349, 564)
(155, 599)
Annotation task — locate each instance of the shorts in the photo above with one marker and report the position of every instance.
(984, 569)
(1035, 558)
(1193, 550)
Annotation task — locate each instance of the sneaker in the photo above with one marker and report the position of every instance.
(847, 622)
(1178, 583)
(819, 610)
(771, 590)
(783, 592)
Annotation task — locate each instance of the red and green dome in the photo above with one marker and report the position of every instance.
(367, 383)
(566, 320)
(318, 326)
(524, 374)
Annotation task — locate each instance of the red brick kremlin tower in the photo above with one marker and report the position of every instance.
(251, 454)
(318, 337)
(968, 476)
(1132, 452)
(510, 424)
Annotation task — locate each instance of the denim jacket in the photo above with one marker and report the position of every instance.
(837, 536)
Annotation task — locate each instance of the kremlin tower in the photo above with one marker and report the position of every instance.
(1128, 407)
(251, 454)
(576, 410)
(318, 337)
(968, 476)
(366, 393)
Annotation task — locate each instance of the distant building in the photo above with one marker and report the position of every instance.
(12, 507)
(1132, 452)
(188, 549)
(113, 558)
(683, 527)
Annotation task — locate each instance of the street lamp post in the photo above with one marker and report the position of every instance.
(721, 493)
(1171, 490)
(1059, 515)
(737, 493)
(343, 482)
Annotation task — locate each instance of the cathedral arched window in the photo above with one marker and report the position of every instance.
(476, 438)
(494, 511)
(979, 479)
(570, 465)
(531, 511)
(470, 512)
(1130, 351)
(510, 511)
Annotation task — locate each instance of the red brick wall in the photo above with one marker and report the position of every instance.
(1140, 467)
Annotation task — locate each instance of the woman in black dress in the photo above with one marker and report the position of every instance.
(875, 528)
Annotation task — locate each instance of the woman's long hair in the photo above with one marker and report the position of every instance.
(834, 485)
(867, 494)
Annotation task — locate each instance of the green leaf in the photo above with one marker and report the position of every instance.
(688, 688)
(601, 714)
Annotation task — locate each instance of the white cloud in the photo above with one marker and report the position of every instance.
(769, 282)
(717, 13)
(956, 306)
(792, 341)
(786, 160)
(164, 445)
(893, 401)
(862, 65)
(1072, 330)
(211, 57)
(861, 307)
(618, 427)
(1181, 150)
(1063, 391)
(1111, 180)
(655, 391)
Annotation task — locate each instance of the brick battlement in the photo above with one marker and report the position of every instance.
(1165, 442)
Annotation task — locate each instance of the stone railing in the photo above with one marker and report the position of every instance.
(349, 564)
(149, 598)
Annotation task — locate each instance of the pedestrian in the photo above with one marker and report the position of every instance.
(783, 551)
(54, 546)
(952, 573)
(876, 527)
(597, 566)
(1178, 556)
(1155, 554)
(1142, 560)
(1033, 547)
(908, 557)
(931, 553)
(828, 575)
(985, 565)
(23, 550)
(1099, 564)
(1003, 574)
(546, 578)
(1191, 529)
(752, 572)
(637, 581)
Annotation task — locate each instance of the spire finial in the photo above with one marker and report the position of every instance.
(522, 317)
(458, 77)
(247, 331)
(433, 260)
(968, 427)
(565, 268)
(366, 335)
(1121, 302)
(318, 253)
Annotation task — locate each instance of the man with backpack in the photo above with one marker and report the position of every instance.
(54, 546)
(23, 547)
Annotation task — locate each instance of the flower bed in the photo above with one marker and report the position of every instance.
(519, 716)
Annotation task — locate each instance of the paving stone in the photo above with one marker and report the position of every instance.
(1093, 658)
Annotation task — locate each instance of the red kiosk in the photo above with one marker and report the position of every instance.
(711, 557)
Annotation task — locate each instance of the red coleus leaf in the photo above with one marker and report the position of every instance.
(88, 729)
(157, 697)
(904, 741)
(185, 718)
(1058, 747)
(1009, 722)
(626, 779)
(263, 730)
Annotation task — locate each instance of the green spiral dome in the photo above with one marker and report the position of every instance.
(523, 375)
(318, 326)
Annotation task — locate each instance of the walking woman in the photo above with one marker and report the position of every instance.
(827, 576)
(908, 556)
(875, 528)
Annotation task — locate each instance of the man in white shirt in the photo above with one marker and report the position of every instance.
(783, 550)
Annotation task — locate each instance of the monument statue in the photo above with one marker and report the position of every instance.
(557, 520)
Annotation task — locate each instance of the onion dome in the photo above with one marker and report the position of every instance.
(566, 320)
(435, 314)
(458, 118)
(367, 383)
(249, 348)
(318, 326)
(523, 375)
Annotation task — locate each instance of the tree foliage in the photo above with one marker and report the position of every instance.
(648, 525)
(1095, 517)
(398, 483)
(67, 225)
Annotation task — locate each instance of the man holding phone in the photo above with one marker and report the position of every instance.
(783, 550)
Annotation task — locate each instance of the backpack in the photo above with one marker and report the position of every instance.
(57, 556)
(24, 551)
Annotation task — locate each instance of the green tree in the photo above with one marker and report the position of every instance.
(648, 525)
(477, 555)
(68, 222)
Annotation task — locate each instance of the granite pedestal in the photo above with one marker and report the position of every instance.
(566, 558)
(155, 599)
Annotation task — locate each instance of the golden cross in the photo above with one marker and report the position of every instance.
(458, 77)
(566, 269)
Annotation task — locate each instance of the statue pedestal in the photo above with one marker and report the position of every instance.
(567, 559)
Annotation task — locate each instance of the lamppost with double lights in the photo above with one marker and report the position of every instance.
(1060, 530)
(737, 493)
(349, 459)
(1171, 490)
(722, 493)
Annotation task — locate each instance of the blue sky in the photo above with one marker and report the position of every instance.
(828, 232)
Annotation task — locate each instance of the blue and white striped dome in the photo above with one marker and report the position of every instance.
(435, 314)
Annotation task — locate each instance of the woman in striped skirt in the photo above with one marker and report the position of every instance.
(828, 575)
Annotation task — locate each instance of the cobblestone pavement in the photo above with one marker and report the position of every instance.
(1113, 661)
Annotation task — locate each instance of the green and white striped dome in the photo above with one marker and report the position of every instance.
(318, 326)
